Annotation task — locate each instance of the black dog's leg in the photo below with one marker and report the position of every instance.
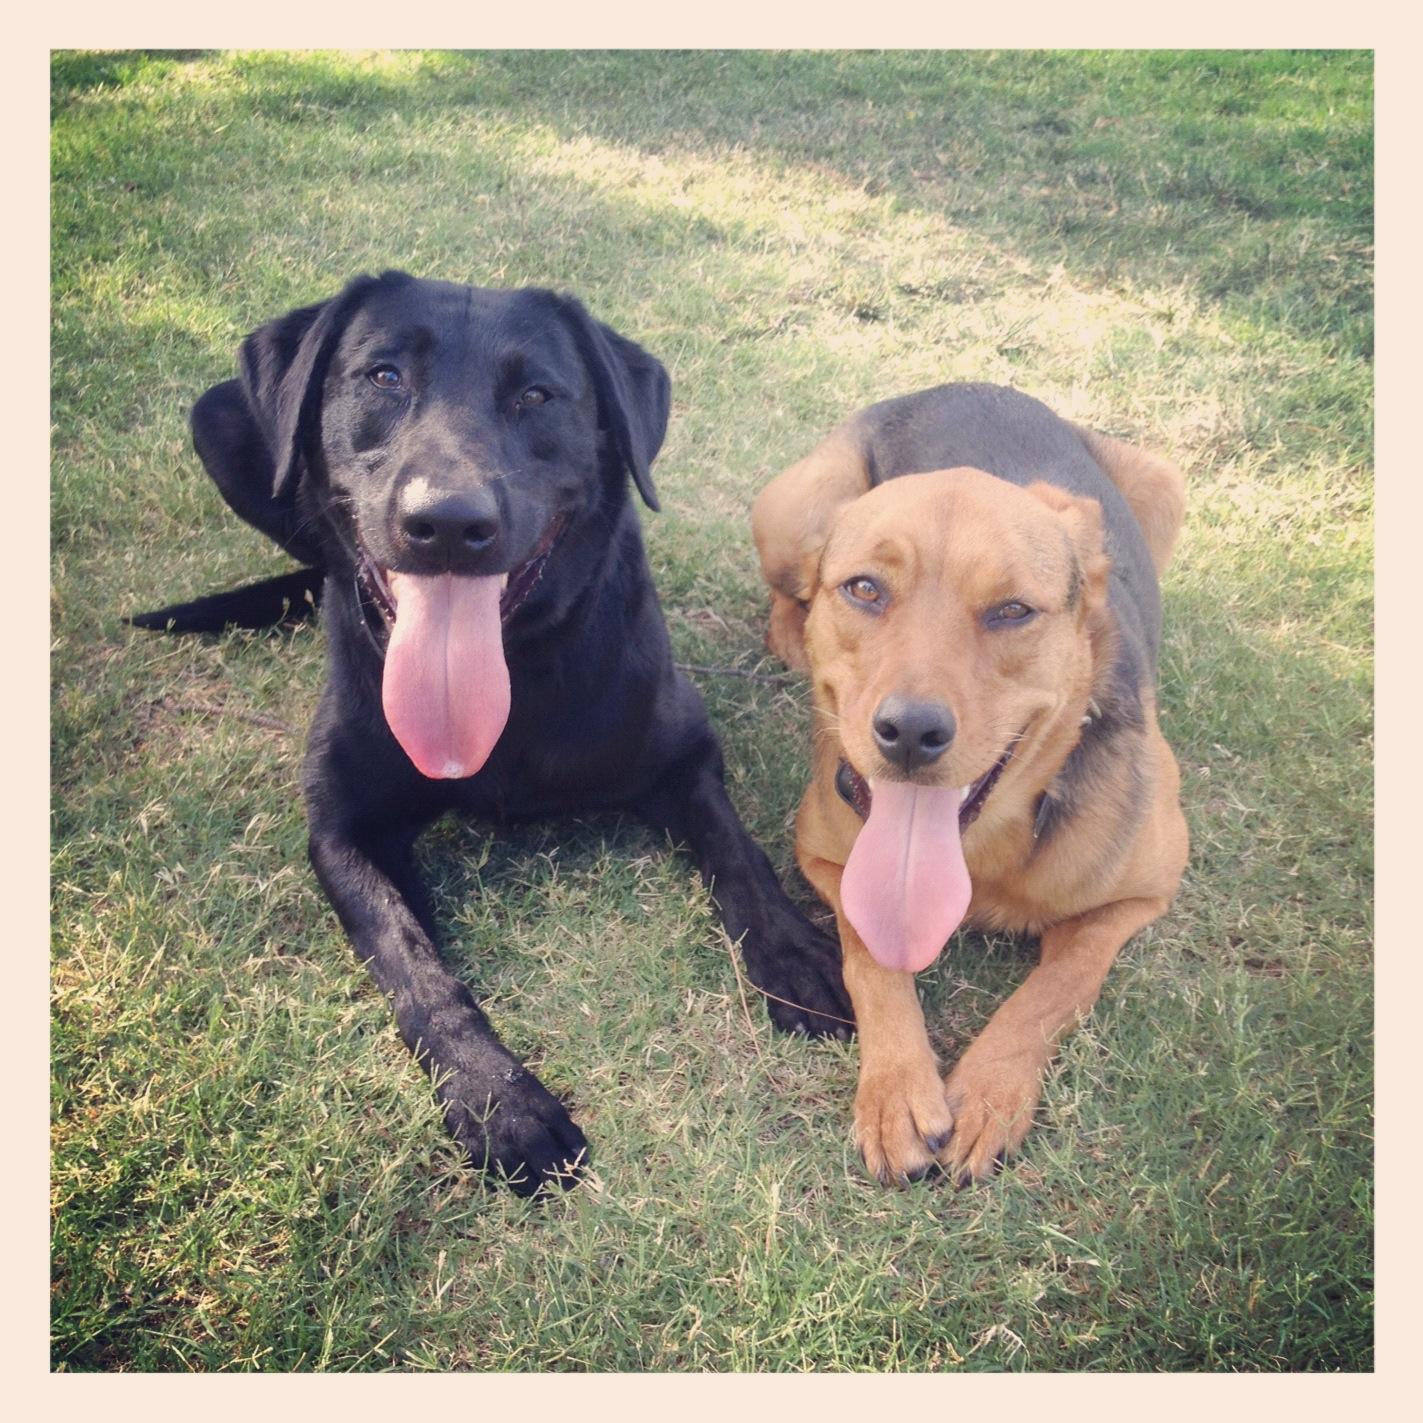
(498, 1111)
(795, 966)
(287, 598)
(236, 458)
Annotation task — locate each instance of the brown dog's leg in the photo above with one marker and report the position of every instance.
(901, 1116)
(995, 1085)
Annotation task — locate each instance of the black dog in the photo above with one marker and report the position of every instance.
(453, 461)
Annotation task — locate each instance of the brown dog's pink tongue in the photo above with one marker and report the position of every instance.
(905, 887)
(446, 686)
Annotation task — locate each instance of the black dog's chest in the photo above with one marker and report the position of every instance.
(553, 763)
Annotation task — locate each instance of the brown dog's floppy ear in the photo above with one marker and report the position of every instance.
(791, 520)
(283, 366)
(1083, 520)
(1154, 488)
(634, 393)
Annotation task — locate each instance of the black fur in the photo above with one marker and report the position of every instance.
(309, 450)
(287, 598)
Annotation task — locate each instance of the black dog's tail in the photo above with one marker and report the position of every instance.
(289, 598)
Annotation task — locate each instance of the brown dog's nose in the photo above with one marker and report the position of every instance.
(912, 734)
(448, 523)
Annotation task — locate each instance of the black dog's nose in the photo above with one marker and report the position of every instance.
(448, 523)
(912, 734)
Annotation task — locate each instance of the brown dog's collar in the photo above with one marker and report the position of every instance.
(853, 789)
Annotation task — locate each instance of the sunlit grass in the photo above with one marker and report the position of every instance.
(249, 1172)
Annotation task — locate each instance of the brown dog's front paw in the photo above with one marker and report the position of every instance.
(992, 1101)
(902, 1118)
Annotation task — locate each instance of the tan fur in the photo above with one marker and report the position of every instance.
(1154, 488)
(790, 520)
(948, 544)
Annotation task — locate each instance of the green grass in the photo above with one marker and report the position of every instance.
(248, 1171)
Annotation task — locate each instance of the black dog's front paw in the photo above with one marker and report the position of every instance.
(798, 972)
(515, 1130)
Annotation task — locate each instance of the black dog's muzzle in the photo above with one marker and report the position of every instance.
(377, 604)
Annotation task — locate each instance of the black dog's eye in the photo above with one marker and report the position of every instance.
(384, 377)
(1007, 613)
(864, 591)
(534, 395)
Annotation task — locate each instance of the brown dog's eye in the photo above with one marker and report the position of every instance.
(534, 395)
(384, 377)
(864, 591)
(1010, 612)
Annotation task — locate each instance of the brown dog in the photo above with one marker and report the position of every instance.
(982, 643)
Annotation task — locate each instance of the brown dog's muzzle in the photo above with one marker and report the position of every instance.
(912, 734)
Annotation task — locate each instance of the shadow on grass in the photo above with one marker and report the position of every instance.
(1107, 164)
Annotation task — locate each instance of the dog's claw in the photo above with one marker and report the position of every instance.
(521, 1136)
(898, 1114)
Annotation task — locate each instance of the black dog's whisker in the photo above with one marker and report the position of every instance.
(776, 678)
(803, 1007)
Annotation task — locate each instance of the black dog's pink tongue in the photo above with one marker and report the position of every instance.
(446, 687)
(906, 887)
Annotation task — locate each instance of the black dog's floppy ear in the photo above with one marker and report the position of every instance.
(634, 394)
(283, 365)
